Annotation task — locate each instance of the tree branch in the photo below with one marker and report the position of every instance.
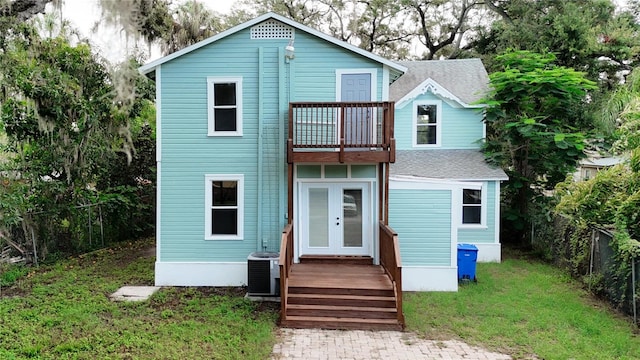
(24, 9)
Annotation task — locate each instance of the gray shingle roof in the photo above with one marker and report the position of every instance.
(445, 164)
(467, 79)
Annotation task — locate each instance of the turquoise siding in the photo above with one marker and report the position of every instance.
(488, 234)
(422, 219)
(188, 153)
(315, 68)
(461, 127)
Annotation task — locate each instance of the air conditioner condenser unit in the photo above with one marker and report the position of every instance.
(263, 274)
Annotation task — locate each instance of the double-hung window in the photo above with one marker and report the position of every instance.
(472, 207)
(427, 123)
(224, 98)
(224, 207)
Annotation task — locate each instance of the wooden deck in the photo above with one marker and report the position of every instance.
(340, 296)
(344, 132)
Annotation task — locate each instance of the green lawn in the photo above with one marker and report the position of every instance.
(521, 308)
(62, 311)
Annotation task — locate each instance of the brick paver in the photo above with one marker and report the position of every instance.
(314, 344)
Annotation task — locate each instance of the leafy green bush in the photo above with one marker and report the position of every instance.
(610, 200)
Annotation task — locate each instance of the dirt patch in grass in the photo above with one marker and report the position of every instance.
(121, 254)
(15, 290)
(263, 306)
(173, 297)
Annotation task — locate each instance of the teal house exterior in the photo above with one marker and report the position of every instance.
(442, 192)
(272, 125)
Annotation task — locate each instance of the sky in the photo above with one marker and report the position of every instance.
(110, 43)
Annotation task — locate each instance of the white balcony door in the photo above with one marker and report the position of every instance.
(335, 218)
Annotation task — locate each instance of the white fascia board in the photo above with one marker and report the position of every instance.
(501, 178)
(456, 180)
(430, 85)
(430, 183)
(152, 65)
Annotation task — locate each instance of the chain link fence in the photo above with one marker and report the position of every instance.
(620, 290)
(589, 255)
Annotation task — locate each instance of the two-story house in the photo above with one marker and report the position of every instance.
(272, 125)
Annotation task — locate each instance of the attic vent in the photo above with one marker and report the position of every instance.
(272, 29)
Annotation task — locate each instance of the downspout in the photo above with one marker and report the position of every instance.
(282, 96)
(290, 97)
(260, 243)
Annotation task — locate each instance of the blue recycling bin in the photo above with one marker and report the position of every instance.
(467, 256)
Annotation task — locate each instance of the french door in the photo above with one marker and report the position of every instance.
(335, 218)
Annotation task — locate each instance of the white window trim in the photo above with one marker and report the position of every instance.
(211, 80)
(414, 127)
(208, 193)
(483, 208)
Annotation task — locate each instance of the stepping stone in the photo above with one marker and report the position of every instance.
(134, 293)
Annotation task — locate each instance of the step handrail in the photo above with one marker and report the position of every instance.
(285, 262)
(391, 263)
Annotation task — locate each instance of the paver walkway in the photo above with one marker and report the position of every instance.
(314, 344)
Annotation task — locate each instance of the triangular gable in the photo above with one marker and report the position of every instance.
(459, 82)
(433, 87)
(396, 69)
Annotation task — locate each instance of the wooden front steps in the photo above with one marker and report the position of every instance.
(329, 294)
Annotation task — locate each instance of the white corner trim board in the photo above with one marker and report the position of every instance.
(429, 278)
(201, 273)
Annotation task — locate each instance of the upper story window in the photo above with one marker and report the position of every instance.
(472, 207)
(224, 207)
(427, 123)
(224, 98)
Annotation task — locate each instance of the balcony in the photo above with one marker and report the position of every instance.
(341, 132)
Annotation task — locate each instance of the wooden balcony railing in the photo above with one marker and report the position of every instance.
(285, 262)
(390, 261)
(341, 132)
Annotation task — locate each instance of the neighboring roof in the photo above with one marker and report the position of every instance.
(396, 69)
(463, 80)
(445, 164)
(602, 162)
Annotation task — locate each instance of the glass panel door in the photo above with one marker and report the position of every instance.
(352, 215)
(335, 219)
(319, 217)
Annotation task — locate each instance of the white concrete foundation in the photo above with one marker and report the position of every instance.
(201, 274)
(488, 252)
(429, 278)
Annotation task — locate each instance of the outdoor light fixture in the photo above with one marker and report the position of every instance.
(289, 51)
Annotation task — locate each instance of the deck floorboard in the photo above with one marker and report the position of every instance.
(339, 276)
